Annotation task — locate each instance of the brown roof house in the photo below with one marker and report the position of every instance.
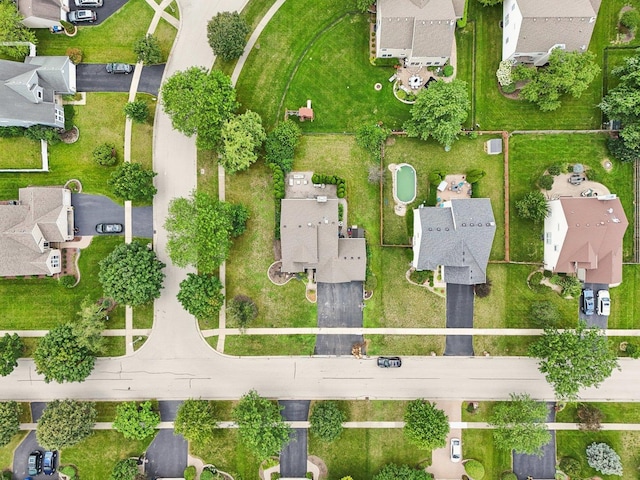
(43, 13)
(533, 28)
(30, 229)
(583, 236)
(457, 236)
(309, 238)
(419, 31)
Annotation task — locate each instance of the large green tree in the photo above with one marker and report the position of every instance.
(199, 102)
(227, 33)
(425, 425)
(201, 295)
(131, 274)
(371, 138)
(533, 206)
(11, 347)
(136, 421)
(281, 143)
(574, 359)
(326, 421)
(60, 356)
(64, 423)
(242, 137)
(519, 425)
(439, 112)
(261, 427)
(148, 50)
(200, 229)
(131, 181)
(196, 420)
(9, 421)
(13, 30)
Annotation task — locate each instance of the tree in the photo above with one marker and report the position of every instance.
(519, 425)
(533, 206)
(590, 417)
(425, 426)
(137, 111)
(125, 469)
(199, 103)
(60, 356)
(87, 327)
(11, 347)
(136, 421)
(196, 420)
(371, 138)
(148, 50)
(227, 33)
(105, 155)
(9, 421)
(131, 274)
(201, 295)
(572, 360)
(391, 471)
(439, 112)
(260, 425)
(281, 143)
(132, 182)
(604, 459)
(242, 136)
(326, 421)
(64, 423)
(242, 309)
(13, 30)
(544, 314)
(200, 229)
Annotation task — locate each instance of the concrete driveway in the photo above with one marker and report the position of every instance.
(594, 320)
(93, 77)
(442, 468)
(339, 305)
(459, 315)
(293, 458)
(543, 467)
(21, 455)
(167, 455)
(90, 210)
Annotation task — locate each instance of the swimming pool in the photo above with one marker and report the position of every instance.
(404, 183)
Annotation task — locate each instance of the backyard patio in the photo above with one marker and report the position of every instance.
(453, 187)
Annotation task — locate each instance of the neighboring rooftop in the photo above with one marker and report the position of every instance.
(35, 11)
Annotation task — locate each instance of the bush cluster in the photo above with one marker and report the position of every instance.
(570, 466)
(509, 88)
(474, 469)
(278, 181)
(545, 182)
(630, 19)
(436, 176)
(8, 132)
(447, 71)
(42, 132)
(75, 55)
(340, 212)
(340, 183)
(475, 174)
(68, 281)
(555, 169)
(105, 155)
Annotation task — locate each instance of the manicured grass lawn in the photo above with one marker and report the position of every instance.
(482, 414)
(121, 29)
(614, 412)
(208, 163)
(226, 452)
(625, 301)
(166, 34)
(464, 52)
(113, 347)
(373, 410)
(19, 152)
(100, 120)
(267, 344)
(425, 157)
(530, 155)
(6, 452)
(478, 444)
(361, 453)
(142, 134)
(143, 316)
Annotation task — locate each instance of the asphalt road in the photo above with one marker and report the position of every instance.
(89, 210)
(293, 458)
(338, 306)
(459, 315)
(543, 467)
(108, 8)
(93, 77)
(167, 455)
(21, 455)
(594, 320)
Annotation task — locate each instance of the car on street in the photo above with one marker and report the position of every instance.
(88, 3)
(109, 228)
(119, 68)
(456, 450)
(604, 302)
(389, 362)
(588, 302)
(77, 16)
(34, 464)
(49, 462)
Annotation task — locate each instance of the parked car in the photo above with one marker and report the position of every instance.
(588, 302)
(77, 16)
(389, 362)
(109, 228)
(119, 68)
(456, 450)
(34, 464)
(88, 3)
(49, 462)
(604, 302)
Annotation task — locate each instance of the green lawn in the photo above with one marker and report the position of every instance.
(6, 452)
(143, 316)
(614, 412)
(19, 152)
(142, 134)
(464, 52)
(166, 34)
(373, 410)
(226, 452)
(625, 301)
(267, 344)
(478, 444)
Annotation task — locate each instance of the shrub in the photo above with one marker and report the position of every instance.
(592, 175)
(75, 55)
(190, 473)
(447, 71)
(242, 309)
(545, 182)
(604, 459)
(105, 155)
(8, 132)
(278, 182)
(555, 169)
(504, 74)
(510, 88)
(207, 475)
(483, 289)
(148, 50)
(137, 111)
(619, 149)
(570, 466)
(571, 286)
(630, 19)
(41, 132)
(68, 26)
(68, 470)
(632, 350)
(475, 174)
(436, 176)
(521, 73)
(68, 281)
(340, 212)
(69, 115)
(421, 276)
(509, 476)
(474, 469)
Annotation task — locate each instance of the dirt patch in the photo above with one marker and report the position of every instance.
(69, 262)
(625, 35)
(277, 250)
(71, 135)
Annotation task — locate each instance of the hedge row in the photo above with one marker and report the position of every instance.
(340, 183)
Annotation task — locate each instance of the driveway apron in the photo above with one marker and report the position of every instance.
(543, 467)
(595, 320)
(89, 210)
(459, 315)
(93, 77)
(167, 455)
(21, 455)
(339, 305)
(293, 458)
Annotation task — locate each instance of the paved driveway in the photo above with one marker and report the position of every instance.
(21, 455)
(543, 467)
(293, 458)
(169, 409)
(108, 8)
(167, 455)
(442, 468)
(339, 306)
(594, 320)
(93, 77)
(90, 210)
(459, 315)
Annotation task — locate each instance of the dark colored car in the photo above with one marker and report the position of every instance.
(77, 16)
(588, 302)
(119, 68)
(34, 464)
(109, 228)
(389, 362)
(49, 462)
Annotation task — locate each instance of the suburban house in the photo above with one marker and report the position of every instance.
(28, 91)
(31, 228)
(457, 236)
(310, 239)
(532, 29)
(43, 13)
(583, 236)
(419, 31)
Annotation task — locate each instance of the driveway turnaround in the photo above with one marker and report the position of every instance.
(167, 455)
(89, 210)
(293, 458)
(459, 315)
(108, 8)
(595, 320)
(21, 456)
(93, 77)
(339, 305)
(539, 467)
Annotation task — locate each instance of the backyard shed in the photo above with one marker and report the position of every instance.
(493, 146)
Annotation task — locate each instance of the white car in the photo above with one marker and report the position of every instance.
(456, 450)
(604, 302)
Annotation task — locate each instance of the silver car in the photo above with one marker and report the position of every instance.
(88, 3)
(77, 16)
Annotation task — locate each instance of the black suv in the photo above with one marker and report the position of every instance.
(389, 362)
(34, 465)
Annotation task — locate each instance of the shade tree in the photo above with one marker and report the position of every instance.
(64, 423)
(201, 295)
(61, 357)
(136, 420)
(11, 347)
(227, 34)
(426, 426)
(242, 137)
(131, 181)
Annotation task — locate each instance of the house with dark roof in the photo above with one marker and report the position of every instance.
(310, 240)
(32, 228)
(457, 236)
(583, 237)
(419, 31)
(43, 13)
(28, 91)
(532, 29)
